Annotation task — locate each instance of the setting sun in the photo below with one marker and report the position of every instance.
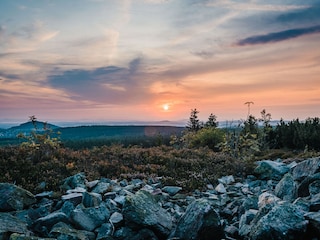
(165, 107)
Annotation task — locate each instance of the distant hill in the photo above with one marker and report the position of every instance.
(94, 131)
(116, 131)
(29, 126)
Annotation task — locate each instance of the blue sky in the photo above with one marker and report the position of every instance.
(124, 60)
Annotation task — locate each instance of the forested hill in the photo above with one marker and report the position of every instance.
(116, 131)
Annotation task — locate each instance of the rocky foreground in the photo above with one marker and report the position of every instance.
(282, 201)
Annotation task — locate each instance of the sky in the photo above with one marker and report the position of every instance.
(153, 60)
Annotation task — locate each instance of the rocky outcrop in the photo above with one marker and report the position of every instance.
(282, 201)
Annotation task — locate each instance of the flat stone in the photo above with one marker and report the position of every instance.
(13, 197)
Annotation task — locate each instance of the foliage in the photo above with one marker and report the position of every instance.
(206, 137)
(296, 134)
(194, 124)
(189, 168)
(39, 142)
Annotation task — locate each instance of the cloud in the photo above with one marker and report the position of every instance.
(109, 85)
(279, 36)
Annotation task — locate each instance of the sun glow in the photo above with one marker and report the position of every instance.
(165, 107)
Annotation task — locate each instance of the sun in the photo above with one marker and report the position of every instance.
(165, 107)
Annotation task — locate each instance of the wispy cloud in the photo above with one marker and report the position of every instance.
(110, 84)
(279, 36)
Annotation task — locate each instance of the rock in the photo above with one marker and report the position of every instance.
(65, 232)
(116, 218)
(314, 187)
(245, 220)
(11, 224)
(91, 199)
(102, 187)
(171, 190)
(227, 180)
(315, 203)
(78, 180)
(105, 232)
(287, 188)
(268, 169)
(17, 236)
(141, 210)
(144, 234)
(303, 188)
(43, 225)
(220, 188)
(306, 168)
(75, 198)
(282, 222)
(200, 221)
(314, 220)
(13, 197)
(89, 218)
(267, 199)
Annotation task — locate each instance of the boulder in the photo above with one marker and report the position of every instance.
(303, 187)
(283, 221)
(11, 224)
(18, 236)
(91, 199)
(142, 210)
(268, 169)
(63, 231)
(245, 220)
(171, 190)
(200, 221)
(43, 225)
(315, 203)
(314, 223)
(90, 218)
(78, 180)
(287, 188)
(13, 197)
(306, 168)
(105, 232)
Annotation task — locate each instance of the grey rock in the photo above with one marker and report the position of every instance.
(144, 234)
(303, 187)
(110, 195)
(306, 168)
(105, 232)
(11, 224)
(65, 232)
(200, 221)
(89, 218)
(75, 198)
(227, 180)
(116, 218)
(287, 188)
(314, 220)
(268, 169)
(267, 199)
(314, 187)
(17, 236)
(142, 210)
(91, 199)
(13, 197)
(284, 221)
(220, 188)
(102, 187)
(171, 190)
(315, 203)
(43, 225)
(78, 180)
(245, 221)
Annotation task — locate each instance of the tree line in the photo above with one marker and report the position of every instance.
(252, 135)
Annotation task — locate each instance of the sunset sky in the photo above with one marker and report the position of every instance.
(148, 60)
